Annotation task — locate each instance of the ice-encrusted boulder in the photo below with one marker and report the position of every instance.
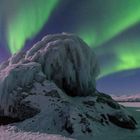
(64, 59)
(68, 61)
(40, 84)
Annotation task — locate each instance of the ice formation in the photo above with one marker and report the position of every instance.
(66, 60)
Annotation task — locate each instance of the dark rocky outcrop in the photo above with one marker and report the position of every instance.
(120, 119)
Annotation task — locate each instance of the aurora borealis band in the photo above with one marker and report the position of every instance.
(110, 27)
(114, 16)
(27, 22)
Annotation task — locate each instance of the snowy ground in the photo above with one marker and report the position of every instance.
(9, 133)
(131, 104)
(127, 98)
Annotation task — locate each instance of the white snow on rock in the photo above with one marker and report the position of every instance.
(12, 77)
(51, 89)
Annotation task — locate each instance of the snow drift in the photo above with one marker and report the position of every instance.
(45, 87)
(127, 98)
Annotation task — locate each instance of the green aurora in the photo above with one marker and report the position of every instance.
(106, 19)
(98, 22)
(109, 19)
(26, 23)
(127, 57)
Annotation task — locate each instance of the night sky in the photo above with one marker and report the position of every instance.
(110, 27)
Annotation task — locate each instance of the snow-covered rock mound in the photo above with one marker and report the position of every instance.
(38, 86)
(62, 114)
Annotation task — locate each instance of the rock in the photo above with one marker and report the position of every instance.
(4, 120)
(102, 98)
(40, 77)
(52, 93)
(11, 78)
(51, 88)
(26, 110)
(67, 61)
(74, 115)
(68, 126)
(89, 103)
(120, 119)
